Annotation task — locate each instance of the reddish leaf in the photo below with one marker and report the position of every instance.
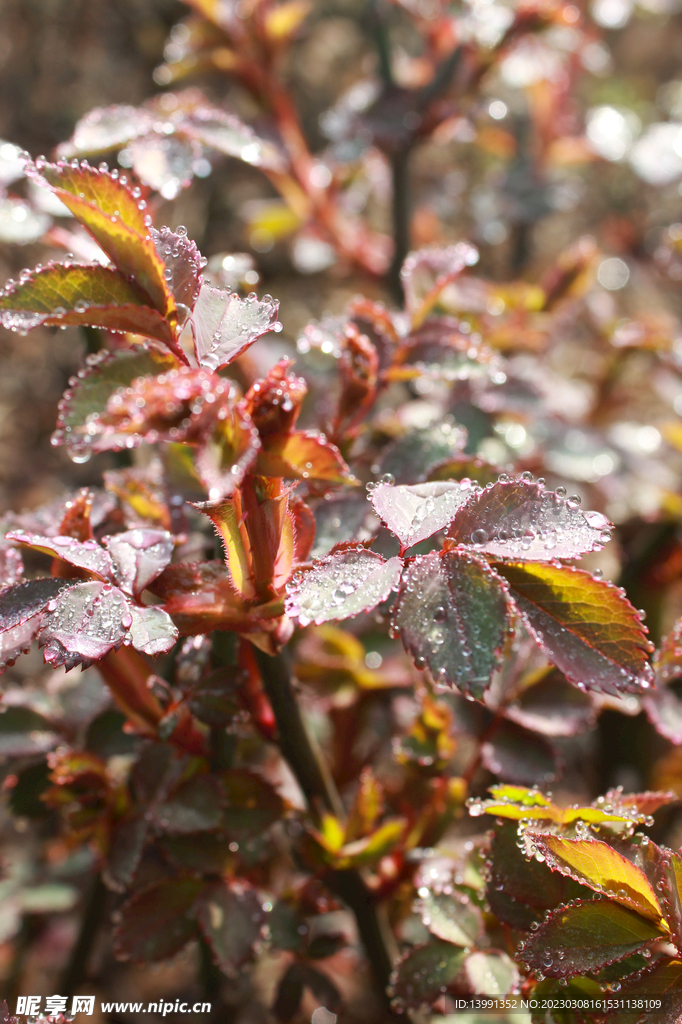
(86, 555)
(140, 556)
(195, 806)
(21, 613)
(274, 403)
(342, 585)
(183, 263)
(88, 395)
(68, 293)
(585, 626)
(231, 918)
(152, 630)
(87, 621)
(416, 512)
(452, 615)
(224, 325)
(304, 455)
(128, 840)
(157, 921)
(104, 204)
(304, 528)
(583, 937)
(425, 273)
(519, 519)
(662, 981)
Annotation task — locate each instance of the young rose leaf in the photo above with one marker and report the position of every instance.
(152, 630)
(412, 457)
(416, 512)
(222, 131)
(230, 917)
(66, 293)
(452, 615)
(228, 453)
(519, 519)
(600, 867)
(552, 707)
(491, 973)
(87, 621)
(582, 937)
(104, 204)
(21, 614)
(86, 555)
(303, 455)
(342, 585)
(87, 398)
(183, 263)
(662, 981)
(157, 921)
(520, 755)
(452, 917)
(139, 557)
(425, 972)
(224, 324)
(195, 806)
(585, 626)
(106, 128)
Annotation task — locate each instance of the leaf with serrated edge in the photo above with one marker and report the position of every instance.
(157, 921)
(597, 865)
(112, 215)
(519, 519)
(453, 917)
(89, 393)
(415, 512)
(452, 616)
(585, 626)
(140, 556)
(64, 293)
(230, 918)
(87, 621)
(224, 324)
(662, 981)
(582, 937)
(182, 258)
(86, 555)
(342, 585)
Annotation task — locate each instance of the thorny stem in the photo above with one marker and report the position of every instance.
(76, 970)
(318, 787)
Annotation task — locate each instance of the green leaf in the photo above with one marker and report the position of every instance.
(452, 615)
(412, 457)
(425, 972)
(453, 917)
(285, 923)
(195, 806)
(491, 973)
(231, 918)
(66, 293)
(87, 398)
(519, 891)
(583, 937)
(602, 868)
(342, 585)
(585, 626)
(126, 846)
(158, 921)
(108, 209)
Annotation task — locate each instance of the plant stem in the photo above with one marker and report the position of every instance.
(314, 778)
(76, 969)
(400, 214)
